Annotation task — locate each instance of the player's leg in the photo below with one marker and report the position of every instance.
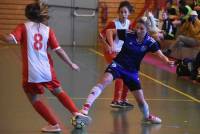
(178, 44)
(42, 109)
(133, 83)
(55, 87)
(96, 91)
(124, 101)
(189, 42)
(118, 82)
(144, 108)
(67, 102)
(117, 93)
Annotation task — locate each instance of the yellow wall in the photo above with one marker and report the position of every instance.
(12, 13)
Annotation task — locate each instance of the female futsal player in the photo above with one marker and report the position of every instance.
(120, 91)
(126, 66)
(35, 38)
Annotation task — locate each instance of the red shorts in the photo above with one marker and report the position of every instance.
(38, 88)
(109, 57)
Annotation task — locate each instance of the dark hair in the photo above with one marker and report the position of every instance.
(171, 11)
(127, 5)
(182, 2)
(33, 13)
(141, 21)
(169, 1)
(184, 10)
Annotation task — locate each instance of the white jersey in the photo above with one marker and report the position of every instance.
(118, 25)
(35, 39)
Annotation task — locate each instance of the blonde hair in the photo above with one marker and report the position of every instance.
(43, 8)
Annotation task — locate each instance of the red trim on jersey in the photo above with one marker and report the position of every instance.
(18, 32)
(20, 35)
(52, 42)
(24, 54)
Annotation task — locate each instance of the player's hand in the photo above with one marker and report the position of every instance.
(75, 67)
(112, 49)
(176, 22)
(171, 63)
(109, 49)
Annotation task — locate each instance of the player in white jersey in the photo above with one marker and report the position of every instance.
(35, 38)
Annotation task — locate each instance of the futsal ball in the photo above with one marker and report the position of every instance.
(77, 123)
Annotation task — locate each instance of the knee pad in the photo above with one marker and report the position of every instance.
(34, 98)
(57, 91)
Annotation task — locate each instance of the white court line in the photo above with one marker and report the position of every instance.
(130, 99)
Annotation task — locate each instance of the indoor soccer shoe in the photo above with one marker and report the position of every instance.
(84, 118)
(80, 120)
(84, 110)
(115, 104)
(51, 128)
(152, 120)
(125, 104)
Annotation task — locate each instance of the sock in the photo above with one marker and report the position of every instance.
(144, 108)
(45, 112)
(67, 102)
(124, 93)
(94, 93)
(118, 89)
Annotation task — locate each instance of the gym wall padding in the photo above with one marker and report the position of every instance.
(12, 13)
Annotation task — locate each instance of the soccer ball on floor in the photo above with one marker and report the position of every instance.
(77, 123)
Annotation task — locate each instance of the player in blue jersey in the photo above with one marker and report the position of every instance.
(126, 66)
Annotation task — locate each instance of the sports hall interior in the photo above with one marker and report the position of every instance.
(175, 99)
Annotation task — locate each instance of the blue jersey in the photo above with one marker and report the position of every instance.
(133, 51)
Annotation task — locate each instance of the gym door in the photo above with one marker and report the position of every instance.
(74, 21)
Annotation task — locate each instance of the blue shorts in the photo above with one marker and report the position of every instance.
(130, 78)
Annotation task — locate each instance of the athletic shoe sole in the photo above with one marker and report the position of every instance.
(85, 119)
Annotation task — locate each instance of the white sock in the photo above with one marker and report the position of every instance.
(144, 108)
(94, 94)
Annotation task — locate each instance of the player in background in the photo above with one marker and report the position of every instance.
(35, 38)
(111, 51)
(126, 66)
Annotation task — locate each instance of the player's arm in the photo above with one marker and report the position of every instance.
(163, 57)
(7, 39)
(108, 47)
(64, 56)
(53, 43)
(103, 40)
(102, 36)
(154, 48)
(110, 33)
(15, 36)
